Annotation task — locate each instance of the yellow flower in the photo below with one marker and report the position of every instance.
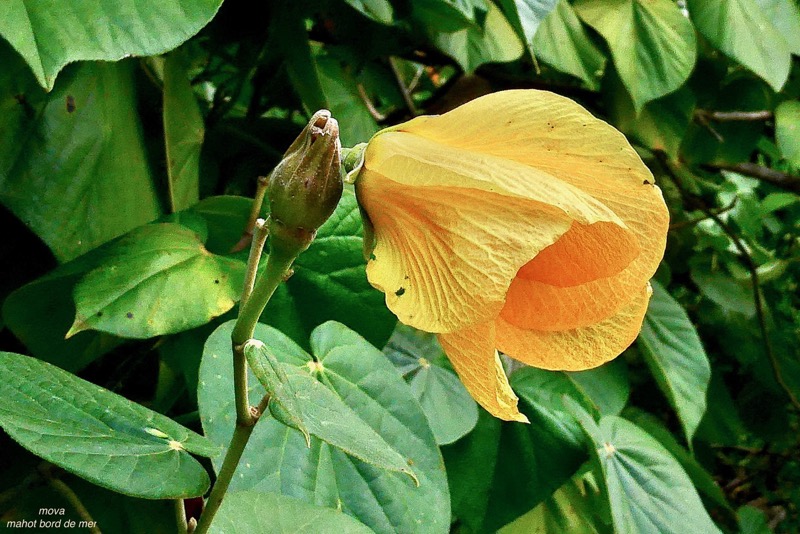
(517, 222)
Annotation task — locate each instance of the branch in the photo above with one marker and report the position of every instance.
(780, 179)
(703, 115)
(751, 267)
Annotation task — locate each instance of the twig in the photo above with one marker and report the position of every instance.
(704, 115)
(751, 267)
(377, 115)
(777, 178)
(255, 211)
(256, 250)
(404, 90)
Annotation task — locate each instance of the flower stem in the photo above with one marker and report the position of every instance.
(282, 254)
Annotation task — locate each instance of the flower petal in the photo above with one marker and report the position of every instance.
(477, 363)
(445, 256)
(577, 349)
(557, 136)
(417, 161)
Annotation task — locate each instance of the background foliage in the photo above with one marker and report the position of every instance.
(131, 135)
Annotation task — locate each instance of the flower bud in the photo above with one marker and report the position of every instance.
(306, 186)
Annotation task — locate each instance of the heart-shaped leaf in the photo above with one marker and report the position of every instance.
(633, 465)
(450, 410)
(277, 459)
(97, 434)
(50, 34)
(157, 279)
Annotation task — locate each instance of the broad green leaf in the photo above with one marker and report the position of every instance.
(50, 34)
(787, 130)
(701, 479)
(98, 435)
(501, 470)
(653, 45)
(247, 512)
(647, 488)
(330, 283)
(377, 10)
(785, 16)
(158, 279)
(526, 16)
(495, 42)
(449, 15)
(450, 410)
(183, 134)
(277, 459)
(562, 42)
(299, 400)
(660, 125)
(572, 509)
(73, 164)
(607, 386)
(741, 30)
(675, 355)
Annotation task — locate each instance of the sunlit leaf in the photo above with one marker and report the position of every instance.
(50, 34)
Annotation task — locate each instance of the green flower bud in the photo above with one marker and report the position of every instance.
(306, 186)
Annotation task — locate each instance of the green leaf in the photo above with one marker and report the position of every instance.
(501, 470)
(449, 15)
(573, 508)
(277, 459)
(785, 16)
(377, 10)
(246, 512)
(653, 45)
(562, 42)
(306, 405)
(450, 409)
(647, 488)
(495, 42)
(158, 279)
(741, 30)
(50, 34)
(73, 164)
(787, 130)
(330, 283)
(526, 16)
(675, 355)
(98, 435)
(701, 479)
(183, 134)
